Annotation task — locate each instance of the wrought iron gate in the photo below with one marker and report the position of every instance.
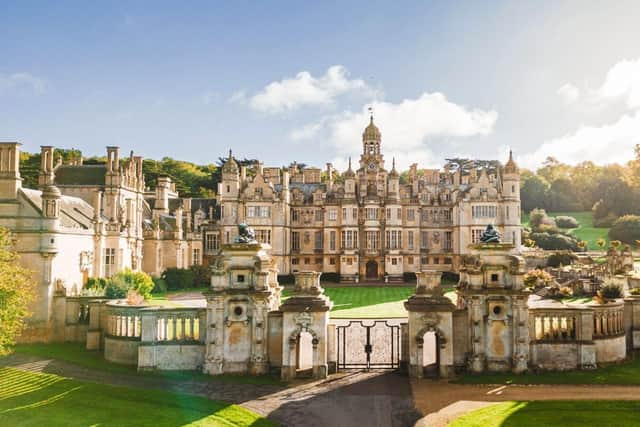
(366, 344)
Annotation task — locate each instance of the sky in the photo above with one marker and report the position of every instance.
(294, 81)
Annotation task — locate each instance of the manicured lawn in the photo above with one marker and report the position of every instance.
(586, 231)
(78, 355)
(578, 413)
(627, 373)
(33, 399)
(369, 302)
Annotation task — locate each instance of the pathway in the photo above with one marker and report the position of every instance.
(351, 399)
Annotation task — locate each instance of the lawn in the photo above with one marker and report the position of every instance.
(577, 413)
(34, 399)
(627, 373)
(369, 302)
(586, 231)
(77, 354)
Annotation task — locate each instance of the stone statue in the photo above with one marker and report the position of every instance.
(245, 234)
(490, 235)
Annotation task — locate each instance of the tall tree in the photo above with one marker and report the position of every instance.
(17, 290)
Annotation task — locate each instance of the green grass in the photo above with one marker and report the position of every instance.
(34, 399)
(369, 302)
(578, 413)
(77, 354)
(585, 231)
(627, 373)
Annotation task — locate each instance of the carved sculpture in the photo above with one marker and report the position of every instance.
(246, 234)
(490, 235)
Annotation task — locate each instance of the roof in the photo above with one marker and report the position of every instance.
(80, 175)
(74, 212)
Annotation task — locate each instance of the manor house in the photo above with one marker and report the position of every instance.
(370, 222)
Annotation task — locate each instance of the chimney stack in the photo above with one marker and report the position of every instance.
(10, 181)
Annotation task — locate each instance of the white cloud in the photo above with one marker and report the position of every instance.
(622, 81)
(304, 90)
(569, 93)
(18, 81)
(612, 143)
(405, 126)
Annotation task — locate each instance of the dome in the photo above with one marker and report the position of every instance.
(51, 192)
(230, 166)
(511, 166)
(371, 132)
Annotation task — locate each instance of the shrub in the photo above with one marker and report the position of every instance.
(330, 277)
(120, 284)
(551, 242)
(564, 221)
(201, 275)
(634, 291)
(159, 285)
(547, 228)
(449, 277)
(561, 258)
(97, 283)
(626, 229)
(286, 279)
(178, 278)
(537, 278)
(611, 291)
(409, 277)
(538, 218)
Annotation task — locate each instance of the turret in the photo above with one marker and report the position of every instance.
(229, 187)
(393, 182)
(511, 180)
(349, 182)
(10, 181)
(113, 159)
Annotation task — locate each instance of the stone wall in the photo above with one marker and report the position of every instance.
(187, 357)
(121, 350)
(555, 356)
(612, 349)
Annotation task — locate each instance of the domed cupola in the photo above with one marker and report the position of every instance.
(371, 132)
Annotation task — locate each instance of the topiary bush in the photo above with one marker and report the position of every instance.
(626, 229)
(537, 278)
(565, 221)
(178, 278)
(201, 275)
(540, 221)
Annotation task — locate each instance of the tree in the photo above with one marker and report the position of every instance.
(533, 193)
(17, 290)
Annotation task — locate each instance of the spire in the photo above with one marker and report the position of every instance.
(349, 171)
(393, 172)
(510, 166)
(230, 154)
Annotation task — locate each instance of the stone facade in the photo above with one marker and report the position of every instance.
(371, 222)
(90, 220)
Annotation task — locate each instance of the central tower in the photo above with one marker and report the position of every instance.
(371, 159)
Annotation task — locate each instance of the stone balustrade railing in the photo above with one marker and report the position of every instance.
(608, 320)
(124, 321)
(562, 324)
(177, 325)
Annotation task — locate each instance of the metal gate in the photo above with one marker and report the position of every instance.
(366, 344)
